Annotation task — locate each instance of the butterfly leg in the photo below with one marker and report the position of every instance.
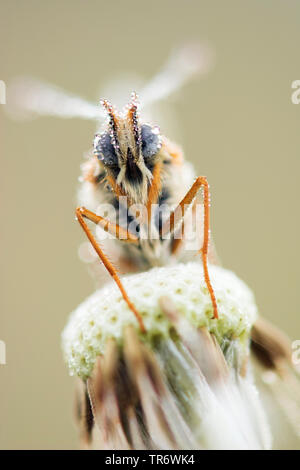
(122, 234)
(178, 214)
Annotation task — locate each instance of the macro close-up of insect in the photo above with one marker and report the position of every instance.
(148, 206)
(147, 247)
(139, 172)
(143, 167)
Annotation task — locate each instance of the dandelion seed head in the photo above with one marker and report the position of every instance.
(104, 314)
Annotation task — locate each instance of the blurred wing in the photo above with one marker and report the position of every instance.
(29, 98)
(183, 64)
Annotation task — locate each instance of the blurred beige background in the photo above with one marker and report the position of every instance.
(238, 126)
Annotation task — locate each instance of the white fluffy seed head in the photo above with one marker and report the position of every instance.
(105, 314)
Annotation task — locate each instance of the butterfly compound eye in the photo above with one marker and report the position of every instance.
(104, 149)
(151, 142)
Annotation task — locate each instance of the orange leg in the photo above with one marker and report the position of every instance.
(81, 214)
(169, 228)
